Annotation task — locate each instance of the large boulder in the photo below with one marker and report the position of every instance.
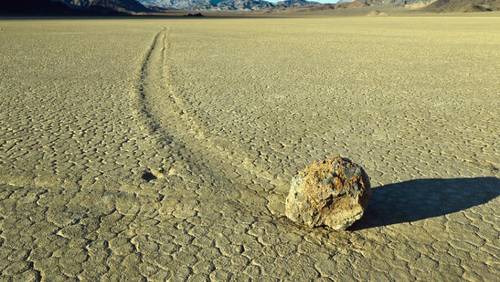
(332, 192)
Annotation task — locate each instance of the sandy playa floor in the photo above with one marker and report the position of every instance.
(223, 113)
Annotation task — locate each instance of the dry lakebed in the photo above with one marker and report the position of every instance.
(163, 149)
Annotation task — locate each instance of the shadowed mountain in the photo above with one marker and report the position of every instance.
(70, 7)
(34, 7)
(426, 198)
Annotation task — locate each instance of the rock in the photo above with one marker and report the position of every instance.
(377, 13)
(333, 192)
(194, 15)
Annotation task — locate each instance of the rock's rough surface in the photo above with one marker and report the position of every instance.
(332, 192)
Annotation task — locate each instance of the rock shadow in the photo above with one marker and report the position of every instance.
(419, 199)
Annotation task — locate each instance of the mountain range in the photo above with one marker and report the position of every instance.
(104, 7)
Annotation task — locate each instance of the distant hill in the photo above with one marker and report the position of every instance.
(464, 5)
(394, 2)
(351, 4)
(385, 2)
(430, 5)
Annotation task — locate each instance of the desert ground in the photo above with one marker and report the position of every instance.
(163, 149)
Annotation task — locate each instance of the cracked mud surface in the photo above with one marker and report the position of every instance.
(162, 149)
